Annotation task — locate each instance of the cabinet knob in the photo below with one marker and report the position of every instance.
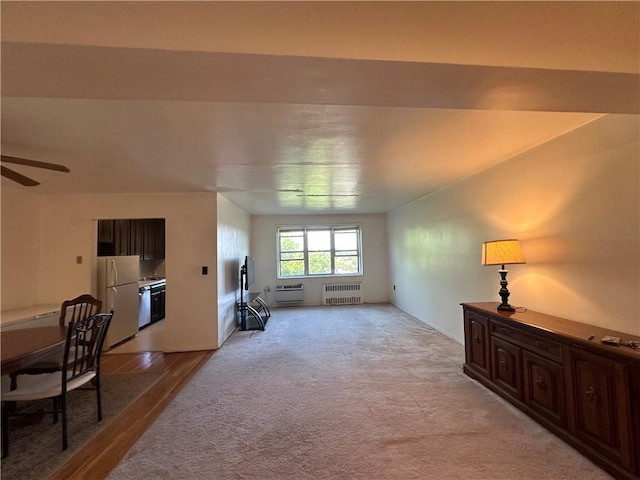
(591, 395)
(503, 363)
(540, 383)
(476, 339)
(541, 345)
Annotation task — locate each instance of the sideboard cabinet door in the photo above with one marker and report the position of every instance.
(599, 388)
(506, 367)
(544, 387)
(476, 343)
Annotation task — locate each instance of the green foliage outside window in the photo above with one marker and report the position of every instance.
(291, 256)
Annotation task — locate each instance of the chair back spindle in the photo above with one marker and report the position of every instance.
(85, 339)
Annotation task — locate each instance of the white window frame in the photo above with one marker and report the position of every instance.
(305, 229)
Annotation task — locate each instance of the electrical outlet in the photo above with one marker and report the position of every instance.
(267, 289)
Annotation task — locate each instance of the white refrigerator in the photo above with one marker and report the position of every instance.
(118, 290)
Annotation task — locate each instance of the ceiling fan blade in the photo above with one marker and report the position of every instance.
(17, 177)
(35, 163)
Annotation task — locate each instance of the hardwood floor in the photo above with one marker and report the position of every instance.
(100, 455)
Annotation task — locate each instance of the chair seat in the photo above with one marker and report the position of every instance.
(50, 385)
(46, 365)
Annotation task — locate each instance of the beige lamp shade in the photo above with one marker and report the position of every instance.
(502, 252)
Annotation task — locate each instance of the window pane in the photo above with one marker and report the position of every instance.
(319, 263)
(346, 264)
(346, 240)
(290, 243)
(319, 240)
(292, 268)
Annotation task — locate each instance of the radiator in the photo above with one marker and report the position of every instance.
(290, 293)
(341, 293)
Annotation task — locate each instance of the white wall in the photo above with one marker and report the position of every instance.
(374, 247)
(575, 205)
(233, 246)
(21, 247)
(69, 228)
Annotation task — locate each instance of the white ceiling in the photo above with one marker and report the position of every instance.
(303, 107)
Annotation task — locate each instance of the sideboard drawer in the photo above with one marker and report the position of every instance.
(536, 344)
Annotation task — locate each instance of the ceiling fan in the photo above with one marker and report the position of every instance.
(21, 179)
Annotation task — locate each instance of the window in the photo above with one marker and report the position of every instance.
(319, 251)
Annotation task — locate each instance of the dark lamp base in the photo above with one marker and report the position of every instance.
(504, 293)
(506, 308)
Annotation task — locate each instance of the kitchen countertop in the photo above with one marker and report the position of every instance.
(150, 283)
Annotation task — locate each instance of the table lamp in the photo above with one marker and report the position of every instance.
(502, 252)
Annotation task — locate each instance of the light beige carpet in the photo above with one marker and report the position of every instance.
(356, 392)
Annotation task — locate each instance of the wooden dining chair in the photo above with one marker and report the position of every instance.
(80, 371)
(75, 309)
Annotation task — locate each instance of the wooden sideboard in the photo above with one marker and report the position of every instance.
(559, 373)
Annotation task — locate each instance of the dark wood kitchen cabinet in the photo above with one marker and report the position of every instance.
(559, 373)
(160, 238)
(153, 239)
(106, 241)
(139, 236)
(136, 240)
(122, 235)
(113, 237)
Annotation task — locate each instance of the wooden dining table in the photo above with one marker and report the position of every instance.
(23, 347)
